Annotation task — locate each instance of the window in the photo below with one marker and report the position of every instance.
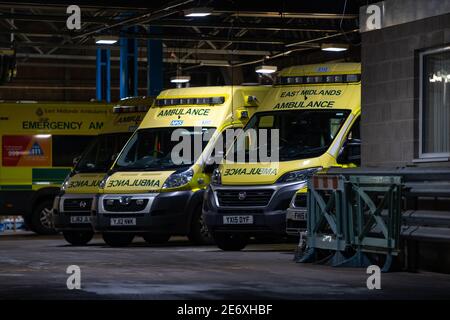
(434, 119)
(98, 156)
(151, 149)
(355, 132)
(66, 148)
(302, 134)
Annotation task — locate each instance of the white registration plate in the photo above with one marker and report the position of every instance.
(123, 221)
(296, 215)
(80, 219)
(238, 220)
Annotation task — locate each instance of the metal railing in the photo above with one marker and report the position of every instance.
(352, 216)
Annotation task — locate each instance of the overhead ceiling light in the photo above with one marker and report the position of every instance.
(215, 64)
(198, 12)
(106, 39)
(334, 47)
(266, 69)
(180, 79)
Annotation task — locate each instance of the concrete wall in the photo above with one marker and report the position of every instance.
(390, 89)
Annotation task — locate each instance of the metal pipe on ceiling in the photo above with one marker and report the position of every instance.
(242, 52)
(143, 18)
(172, 23)
(262, 14)
(93, 58)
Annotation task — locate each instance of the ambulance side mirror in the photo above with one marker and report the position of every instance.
(76, 160)
(350, 152)
(209, 165)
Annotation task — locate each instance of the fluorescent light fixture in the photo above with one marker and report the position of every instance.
(106, 39)
(215, 64)
(266, 69)
(198, 12)
(43, 136)
(334, 47)
(180, 79)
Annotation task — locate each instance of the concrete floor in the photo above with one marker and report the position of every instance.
(35, 267)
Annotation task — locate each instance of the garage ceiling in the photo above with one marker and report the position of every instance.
(237, 33)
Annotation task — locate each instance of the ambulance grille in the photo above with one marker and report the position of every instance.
(77, 205)
(244, 198)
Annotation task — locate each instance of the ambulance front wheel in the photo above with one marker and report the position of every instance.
(118, 239)
(41, 218)
(231, 241)
(78, 238)
(199, 233)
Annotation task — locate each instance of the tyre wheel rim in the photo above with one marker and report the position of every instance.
(45, 218)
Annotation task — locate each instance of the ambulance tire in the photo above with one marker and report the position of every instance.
(199, 233)
(231, 241)
(151, 238)
(40, 221)
(78, 238)
(118, 239)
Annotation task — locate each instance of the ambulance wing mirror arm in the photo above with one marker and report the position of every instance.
(208, 168)
(350, 152)
(211, 163)
(75, 161)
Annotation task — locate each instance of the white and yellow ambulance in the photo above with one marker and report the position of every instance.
(39, 141)
(146, 192)
(72, 208)
(313, 109)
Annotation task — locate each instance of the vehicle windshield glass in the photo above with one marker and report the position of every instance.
(302, 134)
(99, 155)
(151, 149)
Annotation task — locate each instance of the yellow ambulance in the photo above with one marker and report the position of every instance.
(314, 111)
(72, 208)
(39, 141)
(149, 194)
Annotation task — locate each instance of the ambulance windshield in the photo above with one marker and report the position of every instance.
(98, 157)
(151, 149)
(302, 134)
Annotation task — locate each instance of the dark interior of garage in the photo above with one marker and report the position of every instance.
(355, 205)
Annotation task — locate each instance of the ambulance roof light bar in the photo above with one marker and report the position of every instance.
(130, 109)
(190, 101)
(319, 79)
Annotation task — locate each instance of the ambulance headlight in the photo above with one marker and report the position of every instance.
(56, 201)
(65, 184)
(297, 176)
(216, 177)
(176, 180)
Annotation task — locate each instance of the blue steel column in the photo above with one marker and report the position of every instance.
(108, 75)
(123, 68)
(103, 75)
(128, 67)
(154, 64)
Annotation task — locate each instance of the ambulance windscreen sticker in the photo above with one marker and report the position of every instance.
(27, 151)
